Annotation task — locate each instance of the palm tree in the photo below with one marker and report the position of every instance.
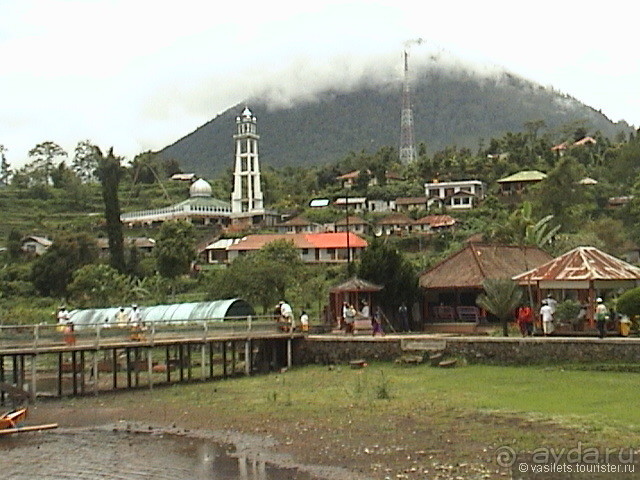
(501, 297)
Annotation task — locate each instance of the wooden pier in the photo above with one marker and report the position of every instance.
(41, 364)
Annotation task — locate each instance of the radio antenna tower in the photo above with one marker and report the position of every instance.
(407, 136)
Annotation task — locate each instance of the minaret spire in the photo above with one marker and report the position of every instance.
(247, 191)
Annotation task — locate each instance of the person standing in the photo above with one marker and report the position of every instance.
(136, 323)
(376, 322)
(64, 319)
(286, 312)
(349, 319)
(552, 302)
(602, 315)
(547, 318)
(122, 318)
(525, 320)
(403, 315)
(304, 321)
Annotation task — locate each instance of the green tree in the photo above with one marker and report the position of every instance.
(98, 285)
(501, 297)
(175, 249)
(262, 278)
(382, 264)
(52, 272)
(85, 161)
(14, 244)
(561, 195)
(43, 161)
(5, 168)
(110, 172)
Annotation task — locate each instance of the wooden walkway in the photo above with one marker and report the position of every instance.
(46, 366)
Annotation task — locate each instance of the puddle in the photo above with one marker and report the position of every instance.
(89, 455)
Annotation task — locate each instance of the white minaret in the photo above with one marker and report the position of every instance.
(247, 192)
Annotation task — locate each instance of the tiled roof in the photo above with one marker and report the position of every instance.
(301, 240)
(436, 221)
(297, 221)
(470, 266)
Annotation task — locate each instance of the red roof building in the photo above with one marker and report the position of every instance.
(314, 247)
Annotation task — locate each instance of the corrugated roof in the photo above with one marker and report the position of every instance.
(470, 266)
(524, 176)
(217, 310)
(582, 263)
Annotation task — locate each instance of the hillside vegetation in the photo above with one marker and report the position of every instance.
(450, 108)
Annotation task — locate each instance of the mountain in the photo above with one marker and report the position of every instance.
(451, 107)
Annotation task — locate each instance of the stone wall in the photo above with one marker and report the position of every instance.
(320, 349)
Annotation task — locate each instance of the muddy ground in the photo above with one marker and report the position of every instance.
(415, 445)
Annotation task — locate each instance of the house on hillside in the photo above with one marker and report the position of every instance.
(396, 223)
(143, 244)
(349, 180)
(407, 204)
(434, 223)
(313, 247)
(299, 225)
(217, 252)
(380, 206)
(457, 195)
(517, 183)
(356, 225)
(352, 204)
(35, 245)
(450, 288)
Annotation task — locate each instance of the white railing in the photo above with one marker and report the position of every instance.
(47, 335)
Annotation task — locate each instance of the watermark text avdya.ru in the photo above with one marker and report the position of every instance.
(579, 454)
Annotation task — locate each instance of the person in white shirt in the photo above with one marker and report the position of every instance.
(547, 318)
(287, 315)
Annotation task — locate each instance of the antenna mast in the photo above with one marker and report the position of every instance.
(407, 135)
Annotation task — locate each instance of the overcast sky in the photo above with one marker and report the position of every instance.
(139, 74)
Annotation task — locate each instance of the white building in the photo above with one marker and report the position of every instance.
(200, 207)
(459, 195)
(246, 197)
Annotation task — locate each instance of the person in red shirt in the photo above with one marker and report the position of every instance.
(524, 317)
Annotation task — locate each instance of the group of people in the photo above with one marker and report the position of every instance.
(350, 315)
(284, 316)
(525, 320)
(122, 318)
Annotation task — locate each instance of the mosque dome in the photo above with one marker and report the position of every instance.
(200, 188)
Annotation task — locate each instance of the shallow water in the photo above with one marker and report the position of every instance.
(90, 455)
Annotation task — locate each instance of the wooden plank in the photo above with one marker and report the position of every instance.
(31, 428)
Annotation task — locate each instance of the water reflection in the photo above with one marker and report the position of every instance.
(101, 455)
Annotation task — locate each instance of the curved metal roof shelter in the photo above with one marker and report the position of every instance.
(218, 310)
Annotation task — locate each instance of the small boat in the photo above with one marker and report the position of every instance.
(9, 423)
(10, 419)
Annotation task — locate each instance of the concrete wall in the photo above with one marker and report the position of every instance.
(324, 349)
